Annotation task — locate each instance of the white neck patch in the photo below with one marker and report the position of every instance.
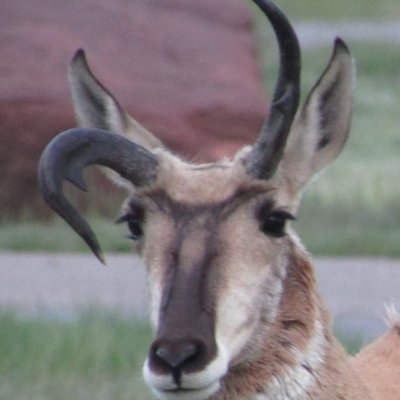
(295, 383)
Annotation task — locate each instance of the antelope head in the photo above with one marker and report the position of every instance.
(215, 237)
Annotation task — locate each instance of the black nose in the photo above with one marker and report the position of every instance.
(175, 355)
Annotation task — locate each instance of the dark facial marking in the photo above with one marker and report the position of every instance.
(187, 221)
(204, 219)
(97, 103)
(188, 300)
(187, 306)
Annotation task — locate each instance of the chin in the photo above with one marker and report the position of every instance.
(187, 394)
(195, 386)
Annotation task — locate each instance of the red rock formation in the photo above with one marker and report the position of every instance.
(185, 69)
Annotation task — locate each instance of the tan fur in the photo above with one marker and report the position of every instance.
(182, 180)
(378, 365)
(115, 118)
(275, 350)
(301, 307)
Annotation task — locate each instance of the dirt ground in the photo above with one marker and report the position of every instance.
(61, 285)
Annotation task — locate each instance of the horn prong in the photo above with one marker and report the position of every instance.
(67, 155)
(263, 159)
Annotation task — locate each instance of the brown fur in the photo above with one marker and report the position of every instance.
(301, 305)
(289, 331)
(378, 365)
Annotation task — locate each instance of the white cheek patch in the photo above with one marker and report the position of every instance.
(233, 324)
(240, 309)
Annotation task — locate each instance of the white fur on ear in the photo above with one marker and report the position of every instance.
(96, 107)
(321, 127)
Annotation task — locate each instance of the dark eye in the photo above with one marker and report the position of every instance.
(134, 225)
(274, 223)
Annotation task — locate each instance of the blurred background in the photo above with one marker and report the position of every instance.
(198, 75)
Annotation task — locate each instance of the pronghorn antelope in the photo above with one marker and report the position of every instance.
(234, 303)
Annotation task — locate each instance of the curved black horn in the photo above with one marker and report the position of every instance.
(264, 157)
(66, 156)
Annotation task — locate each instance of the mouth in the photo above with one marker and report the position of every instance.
(200, 385)
(181, 393)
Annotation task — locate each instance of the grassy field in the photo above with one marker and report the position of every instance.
(57, 236)
(326, 10)
(98, 356)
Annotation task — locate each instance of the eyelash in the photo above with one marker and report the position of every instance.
(272, 223)
(272, 220)
(275, 222)
(134, 225)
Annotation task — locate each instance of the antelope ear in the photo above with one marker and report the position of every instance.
(96, 107)
(321, 127)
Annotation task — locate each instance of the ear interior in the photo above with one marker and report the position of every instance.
(322, 125)
(333, 97)
(96, 107)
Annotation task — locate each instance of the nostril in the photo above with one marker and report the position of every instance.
(177, 354)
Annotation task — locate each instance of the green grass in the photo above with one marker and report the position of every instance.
(57, 236)
(352, 342)
(97, 356)
(340, 9)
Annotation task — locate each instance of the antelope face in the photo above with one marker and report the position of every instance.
(212, 242)
(213, 237)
